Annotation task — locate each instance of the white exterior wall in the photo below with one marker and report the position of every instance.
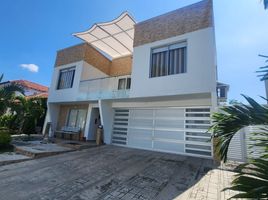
(90, 72)
(68, 94)
(201, 67)
(51, 116)
(176, 101)
(196, 87)
(83, 71)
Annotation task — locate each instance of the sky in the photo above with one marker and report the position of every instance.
(31, 32)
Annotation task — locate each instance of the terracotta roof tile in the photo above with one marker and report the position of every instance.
(31, 85)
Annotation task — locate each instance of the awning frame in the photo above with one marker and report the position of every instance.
(100, 40)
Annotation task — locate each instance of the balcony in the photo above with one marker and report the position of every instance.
(104, 88)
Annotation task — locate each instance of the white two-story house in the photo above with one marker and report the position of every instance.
(151, 84)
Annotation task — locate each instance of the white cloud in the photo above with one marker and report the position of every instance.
(30, 67)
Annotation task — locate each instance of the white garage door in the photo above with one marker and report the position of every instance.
(175, 130)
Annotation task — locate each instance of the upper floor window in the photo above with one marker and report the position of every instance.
(168, 60)
(124, 83)
(66, 78)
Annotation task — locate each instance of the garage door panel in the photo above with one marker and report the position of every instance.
(169, 113)
(170, 124)
(177, 130)
(141, 113)
(198, 139)
(147, 123)
(139, 133)
(198, 152)
(198, 134)
(140, 142)
(172, 135)
(169, 146)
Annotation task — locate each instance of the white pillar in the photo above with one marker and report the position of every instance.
(52, 116)
(106, 113)
(214, 101)
(86, 132)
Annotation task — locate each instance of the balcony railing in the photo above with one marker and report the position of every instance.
(102, 88)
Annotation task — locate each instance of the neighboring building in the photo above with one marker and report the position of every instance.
(222, 90)
(31, 89)
(152, 84)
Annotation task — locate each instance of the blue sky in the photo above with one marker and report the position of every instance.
(33, 30)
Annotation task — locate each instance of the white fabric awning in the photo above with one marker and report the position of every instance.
(115, 38)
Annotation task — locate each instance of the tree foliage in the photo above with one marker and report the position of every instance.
(263, 72)
(7, 94)
(18, 112)
(28, 112)
(252, 179)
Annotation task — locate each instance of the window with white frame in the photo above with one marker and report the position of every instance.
(168, 60)
(76, 118)
(66, 78)
(124, 83)
(222, 92)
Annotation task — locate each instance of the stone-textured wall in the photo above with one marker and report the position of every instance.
(121, 66)
(96, 59)
(178, 22)
(84, 51)
(70, 55)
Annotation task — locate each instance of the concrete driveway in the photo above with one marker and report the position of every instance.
(108, 172)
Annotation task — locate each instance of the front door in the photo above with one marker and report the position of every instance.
(95, 121)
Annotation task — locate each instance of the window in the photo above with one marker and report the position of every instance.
(66, 78)
(124, 83)
(168, 60)
(76, 118)
(222, 92)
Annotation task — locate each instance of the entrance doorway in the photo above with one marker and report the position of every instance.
(95, 121)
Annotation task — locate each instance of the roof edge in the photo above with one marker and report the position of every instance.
(173, 11)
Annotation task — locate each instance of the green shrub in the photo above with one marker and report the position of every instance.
(9, 121)
(5, 138)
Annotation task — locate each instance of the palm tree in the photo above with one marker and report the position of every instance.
(263, 72)
(28, 113)
(7, 93)
(252, 179)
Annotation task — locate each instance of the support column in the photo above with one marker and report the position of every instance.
(86, 132)
(51, 116)
(214, 101)
(106, 113)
